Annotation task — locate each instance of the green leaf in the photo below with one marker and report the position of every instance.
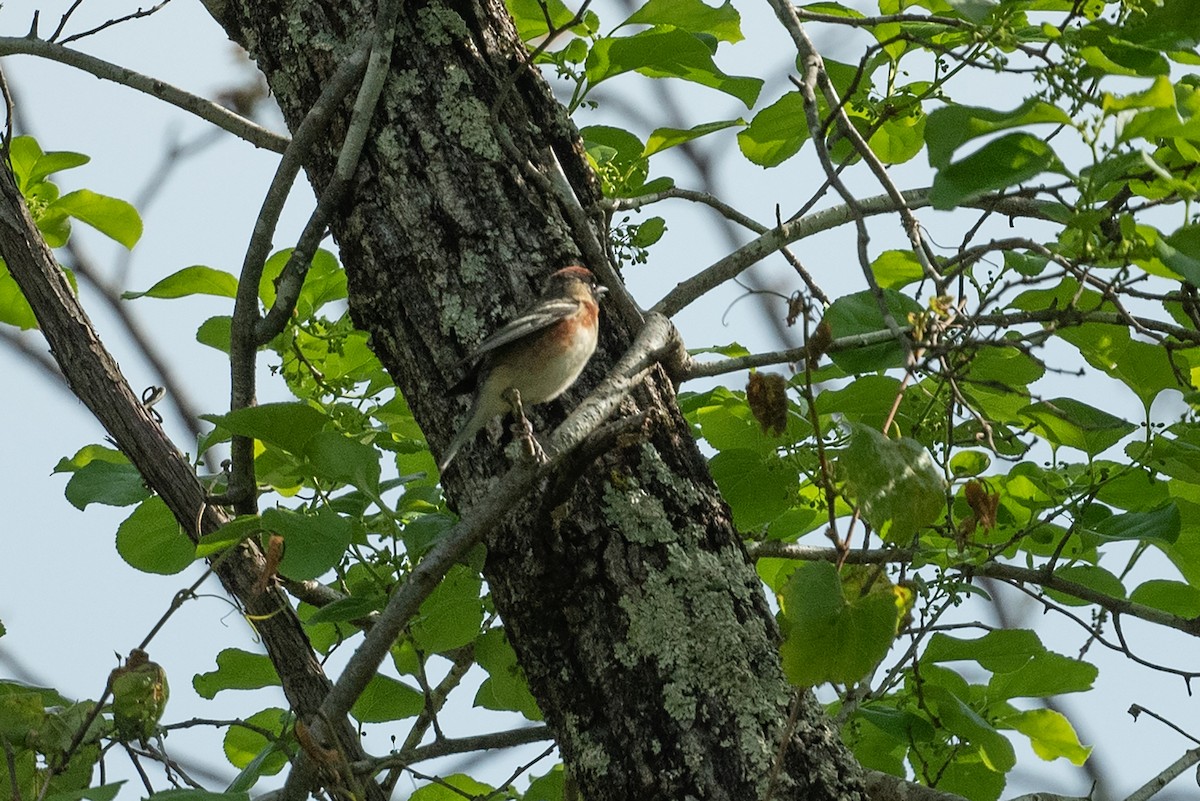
(453, 788)
(898, 487)
(962, 721)
(964, 464)
(14, 309)
(1043, 676)
(1162, 524)
(530, 16)
(105, 482)
(313, 544)
(757, 488)
(665, 52)
(505, 687)
(324, 283)
(1180, 252)
(324, 280)
(971, 775)
(252, 753)
(999, 164)
(1143, 367)
(152, 540)
(900, 138)
(828, 637)
(386, 699)
(195, 280)
(48, 164)
(663, 138)
(88, 454)
(722, 23)
(216, 332)
(548, 787)
(895, 269)
(336, 457)
(649, 231)
(105, 792)
(236, 670)
(287, 425)
(114, 218)
(452, 614)
(1170, 596)
(867, 400)
(352, 607)
(728, 424)
(951, 127)
(776, 133)
(229, 534)
(1000, 651)
(1051, 735)
(859, 314)
(1066, 421)
(617, 153)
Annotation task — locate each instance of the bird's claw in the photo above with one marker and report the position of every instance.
(523, 429)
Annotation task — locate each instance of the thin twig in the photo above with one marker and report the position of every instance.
(140, 13)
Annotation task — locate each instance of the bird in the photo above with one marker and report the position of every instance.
(533, 358)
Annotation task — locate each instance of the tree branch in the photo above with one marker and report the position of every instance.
(996, 570)
(455, 745)
(205, 109)
(1166, 776)
(764, 245)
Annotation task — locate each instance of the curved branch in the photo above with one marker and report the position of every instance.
(764, 245)
(244, 339)
(205, 109)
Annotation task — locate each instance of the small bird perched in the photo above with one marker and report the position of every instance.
(535, 357)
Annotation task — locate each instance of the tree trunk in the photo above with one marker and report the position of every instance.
(637, 617)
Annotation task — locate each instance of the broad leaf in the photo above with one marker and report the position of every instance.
(896, 484)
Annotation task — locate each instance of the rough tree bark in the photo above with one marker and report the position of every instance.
(637, 616)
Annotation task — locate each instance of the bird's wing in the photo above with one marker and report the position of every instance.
(543, 315)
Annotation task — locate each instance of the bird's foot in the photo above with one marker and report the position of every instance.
(523, 429)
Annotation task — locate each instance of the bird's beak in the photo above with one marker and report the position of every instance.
(601, 291)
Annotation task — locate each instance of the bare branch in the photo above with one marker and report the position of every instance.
(291, 280)
(193, 104)
(455, 745)
(758, 249)
(1165, 777)
(109, 23)
(675, 192)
